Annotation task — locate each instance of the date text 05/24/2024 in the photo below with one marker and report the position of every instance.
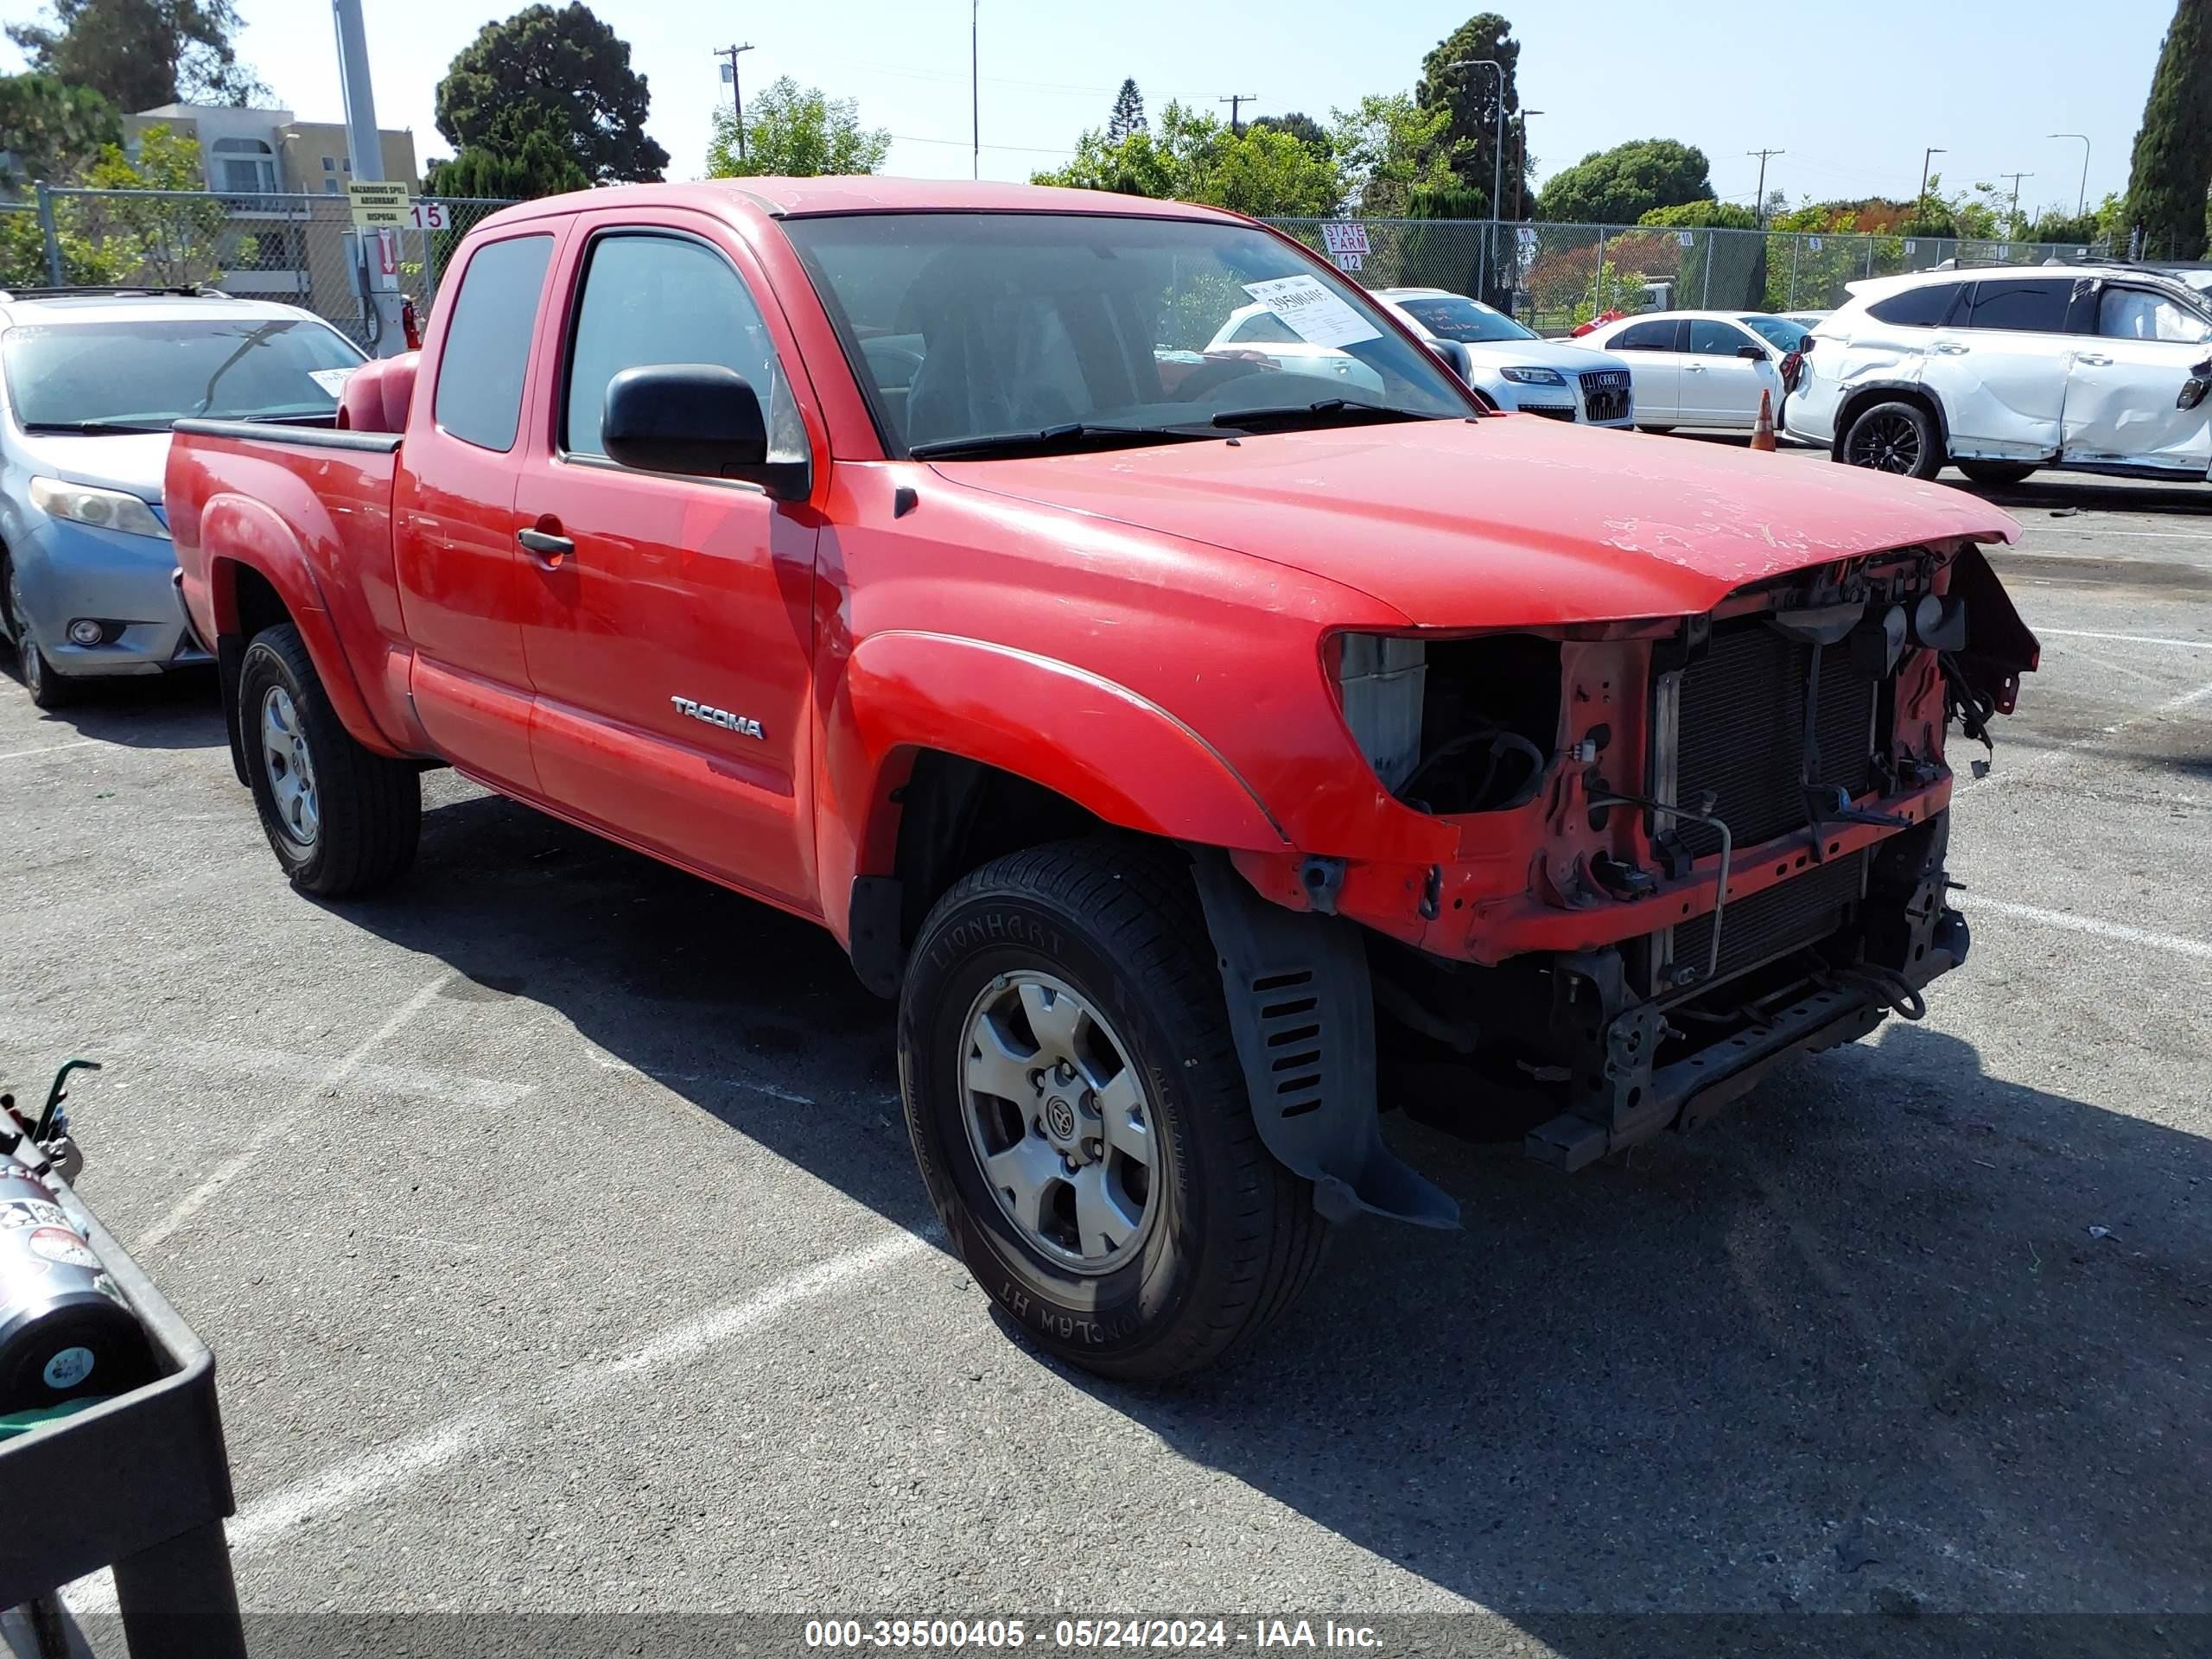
(1086, 1633)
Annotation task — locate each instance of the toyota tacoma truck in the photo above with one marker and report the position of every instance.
(1208, 754)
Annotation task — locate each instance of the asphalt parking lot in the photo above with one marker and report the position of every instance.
(553, 1223)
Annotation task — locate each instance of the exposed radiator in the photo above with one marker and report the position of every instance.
(1795, 912)
(1740, 728)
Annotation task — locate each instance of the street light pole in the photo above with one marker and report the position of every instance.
(380, 295)
(2080, 201)
(1920, 202)
(975, 88)
(1521, 173)
(1498, 159)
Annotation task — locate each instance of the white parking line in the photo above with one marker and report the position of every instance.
(51, 749)
(2065, 754)
(2122, 638)
(229, 1169)
(2067, 921)
(357, 1479)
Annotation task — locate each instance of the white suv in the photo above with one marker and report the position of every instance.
(2006, 370)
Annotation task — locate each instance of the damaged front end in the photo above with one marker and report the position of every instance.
(1686, 849)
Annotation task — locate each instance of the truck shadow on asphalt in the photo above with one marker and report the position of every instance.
(1856, 1348)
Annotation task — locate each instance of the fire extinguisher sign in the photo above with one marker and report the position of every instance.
(1346, 241)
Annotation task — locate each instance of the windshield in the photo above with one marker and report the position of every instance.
(1454, 316)
(1778, 330)
(147, 374)
(1070, 330)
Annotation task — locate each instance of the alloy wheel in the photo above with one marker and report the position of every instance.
(1888, 444)
(1059, 1121)
(289, 767)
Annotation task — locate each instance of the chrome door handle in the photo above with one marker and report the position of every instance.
(2095, 360)
(1693, 368)
(1951, 348)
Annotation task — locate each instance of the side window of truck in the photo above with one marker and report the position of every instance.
(487, 343)
(652, 298)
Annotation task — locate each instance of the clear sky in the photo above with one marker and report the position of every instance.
(1849, 92)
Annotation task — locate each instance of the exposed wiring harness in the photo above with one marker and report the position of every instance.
(1702, 813)
(1966, 702)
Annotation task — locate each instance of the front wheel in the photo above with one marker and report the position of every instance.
(1656, 431)
(341, 818)
(1997, 472)
(48, 686)
(1895, 437)
(1081, 1120)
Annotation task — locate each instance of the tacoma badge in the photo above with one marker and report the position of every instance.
(742, 725)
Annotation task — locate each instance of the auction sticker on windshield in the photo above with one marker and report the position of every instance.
(1314, 314)
(331, 381)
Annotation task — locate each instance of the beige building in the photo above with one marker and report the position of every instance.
(281, 176)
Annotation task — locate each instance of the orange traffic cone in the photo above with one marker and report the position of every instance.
(1763, 432)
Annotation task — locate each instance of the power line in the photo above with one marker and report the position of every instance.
(1028, 150)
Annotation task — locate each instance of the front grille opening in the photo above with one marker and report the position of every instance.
(1489, 722)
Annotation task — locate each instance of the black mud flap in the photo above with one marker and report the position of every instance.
(2000, 647)
(1304, 1020)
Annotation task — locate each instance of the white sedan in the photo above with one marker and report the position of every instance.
(1512, 368)
(1696, 368)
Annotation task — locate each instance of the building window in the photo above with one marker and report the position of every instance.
(244, 167)
(330, 166)
(330, 187)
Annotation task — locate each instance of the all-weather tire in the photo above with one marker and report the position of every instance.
(48, 687)
(1229, 1236)
(361, 816)
(1998, 472)
(1897, 437)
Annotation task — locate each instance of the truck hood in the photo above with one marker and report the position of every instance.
(113, 461)
(1507, 522)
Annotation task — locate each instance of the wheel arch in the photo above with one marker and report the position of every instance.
(936, 746)
(1859, 398)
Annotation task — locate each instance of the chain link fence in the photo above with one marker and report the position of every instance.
(1554, 277)
(298, 249)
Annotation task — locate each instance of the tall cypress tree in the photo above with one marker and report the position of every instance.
(1128, 113)
(2173, 152)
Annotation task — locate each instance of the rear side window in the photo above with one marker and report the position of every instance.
(1648, 337)
(2034, 307)
(1928, 306)
(487, 343)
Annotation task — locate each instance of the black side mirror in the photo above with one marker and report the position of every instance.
(1754, 353)
(698, 419)
(1455, 354)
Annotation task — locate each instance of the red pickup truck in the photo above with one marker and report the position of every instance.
(1208, 749)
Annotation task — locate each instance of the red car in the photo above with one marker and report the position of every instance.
(1206, 751)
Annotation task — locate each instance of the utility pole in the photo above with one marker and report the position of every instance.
(2012, 228)
(1921, 200)
(1237, 101)
(736, 91)
(2080, 201)
(1759, 202)
(975, 88)
(380, 295)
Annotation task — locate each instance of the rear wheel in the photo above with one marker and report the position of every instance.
(1894, 437)
(1081, 1118)
(1997, 472)
(341, 818)
(48, 686)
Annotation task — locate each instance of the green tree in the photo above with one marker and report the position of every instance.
(1620, 185)
(183, 237)
(2172, 163)
(795, 132)
(1686, 215)
(516, 160)
(1128, 113)
(559, 72)
(1300, 126)
(139, 54)
(1468, 98)
(1388, 148)
(1262, 171)
(53, 130)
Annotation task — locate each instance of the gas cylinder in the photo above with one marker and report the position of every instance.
(65, 1330)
